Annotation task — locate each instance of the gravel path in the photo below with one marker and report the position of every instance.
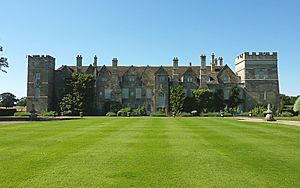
(286, 122)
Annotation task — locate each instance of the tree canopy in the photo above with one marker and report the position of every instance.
(297, 105)
(3, 62)
(78, 94)
(205, 99)
(234, 99)
(7, 100)
(22, 101)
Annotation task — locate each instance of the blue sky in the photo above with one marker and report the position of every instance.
(142, 32)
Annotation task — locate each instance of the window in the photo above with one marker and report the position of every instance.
(131, 79)
(149, 93)
(185, 91)
(125, 93)
(161, 102)
(37, 92)
(37, 76)
(103, 79)
(107, 93)
(189, 79)
(207, 79)
(203, 71)
(225, 78)
(162, 78)
(261, 74)
(138, 93)
(226, 93)
(263, 95)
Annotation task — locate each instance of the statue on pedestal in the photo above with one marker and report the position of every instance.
(269, 114)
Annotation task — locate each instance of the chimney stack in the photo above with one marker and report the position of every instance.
(95, 61)
(220, 61)
(212, 61)
(175, 62)
(203, 60)
(79, 61)
(115, 62)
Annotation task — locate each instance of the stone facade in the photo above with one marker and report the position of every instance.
(256, 76)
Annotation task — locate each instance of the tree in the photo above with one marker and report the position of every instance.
(297, 106)
(218, 100)
(189, 104)
(3, 61)
(205, 99)
(22, 101)
(7, 100)
(176, 99)
(234, 99)
(78, 94)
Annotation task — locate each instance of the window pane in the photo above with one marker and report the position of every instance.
(125, 93)
(138, 93)
(149, 93)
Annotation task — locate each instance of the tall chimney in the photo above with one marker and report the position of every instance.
(220, 61)
(203, 60)
(212, 61)
(115, 62)
(95, 61)
(79, 61)
(175, 62)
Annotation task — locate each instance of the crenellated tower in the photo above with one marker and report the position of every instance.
(40, 83)
(259, 74)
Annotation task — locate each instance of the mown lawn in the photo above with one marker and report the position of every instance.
(296, 118)
(149, 152)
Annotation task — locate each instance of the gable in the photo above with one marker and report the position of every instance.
(226, 75)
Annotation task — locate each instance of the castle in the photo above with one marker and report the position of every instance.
(256, 75)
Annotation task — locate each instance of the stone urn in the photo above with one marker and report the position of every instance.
(33, 114)
(269, 114)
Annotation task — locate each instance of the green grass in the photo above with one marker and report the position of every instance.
(296, 118)
(149, 152)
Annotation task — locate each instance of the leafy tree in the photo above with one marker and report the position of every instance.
(7, 100)
(22, 101)
(3, 61)
(234, 99)
(297, 106)
(189, 104)
(205, 99)
(218, 100)
(176, 99)
(78, 94)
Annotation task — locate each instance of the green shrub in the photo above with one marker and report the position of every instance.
(158, 114)
(141, 111)
(51, 113)
(124, 112)
(22, 114)
(215, 114)
(185, 114)
(286, 114)
(111, 114)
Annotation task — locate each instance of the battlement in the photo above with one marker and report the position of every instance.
(256, 56)
(46, 57)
